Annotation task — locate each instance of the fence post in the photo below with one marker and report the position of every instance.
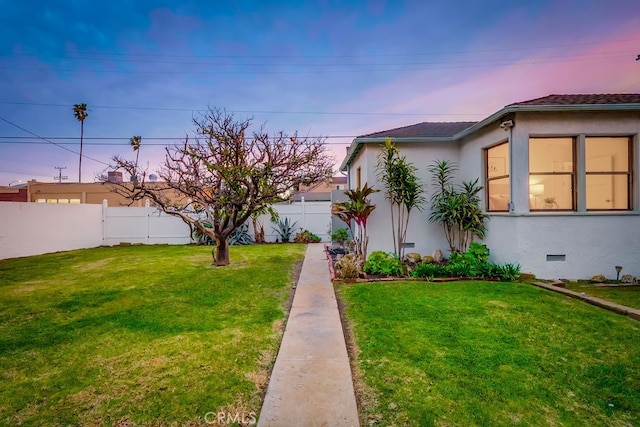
(302, 213)
(148, 212)
(105, 206)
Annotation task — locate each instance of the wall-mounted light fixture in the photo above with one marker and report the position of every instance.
(506, 125)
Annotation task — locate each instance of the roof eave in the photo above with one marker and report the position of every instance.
(356, 144)
(543, 108)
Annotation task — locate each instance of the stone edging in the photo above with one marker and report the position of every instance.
(630, 312)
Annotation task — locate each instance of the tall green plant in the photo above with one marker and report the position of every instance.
(456, 208)
(357, 209)
(403, 190)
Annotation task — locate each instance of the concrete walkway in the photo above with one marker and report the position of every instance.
(311, 381)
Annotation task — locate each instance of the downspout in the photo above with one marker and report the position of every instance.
(508, 124)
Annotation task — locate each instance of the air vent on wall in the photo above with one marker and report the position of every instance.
(556, 257)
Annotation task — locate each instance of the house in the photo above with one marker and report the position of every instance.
(13, 194)
(320, 191)
(76, 193)
(560, 176)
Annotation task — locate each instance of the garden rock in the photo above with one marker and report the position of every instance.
(413, 257)
(427, 259)
(628, 278)
(598, 278)
(437, 255)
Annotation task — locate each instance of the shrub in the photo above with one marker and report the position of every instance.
(340, 236)
(380, 262)
(307, 237)
(472, 263)
(429, 271)
(348, 267)
(509, 272)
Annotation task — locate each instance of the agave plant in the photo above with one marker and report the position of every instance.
(285, 229)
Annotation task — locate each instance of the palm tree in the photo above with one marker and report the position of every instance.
(135, 142)
(80, 112)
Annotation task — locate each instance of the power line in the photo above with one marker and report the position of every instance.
(381, 55)
(49, 141)
(328, 113)
(390, 67)
(148, 144)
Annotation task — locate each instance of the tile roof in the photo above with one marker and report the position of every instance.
(423, 130)
(592, 99)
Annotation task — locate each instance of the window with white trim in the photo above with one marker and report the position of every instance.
(497, 178)
(552, 174)
(603, 169)
(608, 168)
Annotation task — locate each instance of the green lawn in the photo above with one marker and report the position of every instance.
(144, 335)
(629, 296)
(486, 353)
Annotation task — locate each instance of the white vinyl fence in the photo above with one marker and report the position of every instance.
(312, 216)
(37, 228)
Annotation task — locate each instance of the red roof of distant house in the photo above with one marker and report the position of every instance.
(592, 99)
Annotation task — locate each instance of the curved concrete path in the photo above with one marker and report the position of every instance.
(311, 383)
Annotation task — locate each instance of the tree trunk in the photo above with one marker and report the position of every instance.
(221, 257)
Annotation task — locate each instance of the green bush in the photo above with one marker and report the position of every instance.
(380, 262)
(340, 236)
(509, 272)
(429, 271)
(307, 237)
(472, 263)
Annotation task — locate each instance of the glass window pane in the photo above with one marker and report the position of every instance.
(607, 154)
(52, 200)
(499, 194)
(607, 192)
(548, 192)
(550, 155)
(498, 161)
(63, 201)
(74, 201)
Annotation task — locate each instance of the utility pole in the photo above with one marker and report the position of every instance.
(60, 177)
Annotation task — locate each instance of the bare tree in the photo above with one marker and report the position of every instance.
(216, 180)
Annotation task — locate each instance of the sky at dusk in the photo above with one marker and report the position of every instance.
(322, 68)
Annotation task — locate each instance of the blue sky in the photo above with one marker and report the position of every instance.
(336, 69)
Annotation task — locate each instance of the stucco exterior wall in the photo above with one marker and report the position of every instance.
(592, 242)
(425, 236)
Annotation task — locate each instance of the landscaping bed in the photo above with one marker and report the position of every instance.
(141, 334)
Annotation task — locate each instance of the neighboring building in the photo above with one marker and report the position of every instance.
(320, 191)
(14, 194)
(75, 193)
(560, 176)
